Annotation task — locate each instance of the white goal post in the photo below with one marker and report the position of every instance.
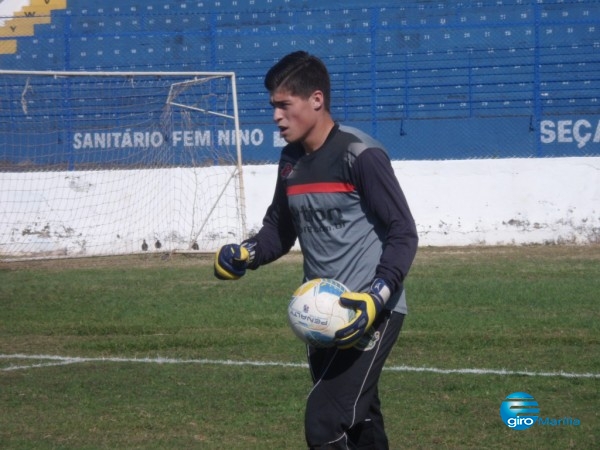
(107, 163)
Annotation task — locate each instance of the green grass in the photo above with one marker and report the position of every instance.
(518, 309)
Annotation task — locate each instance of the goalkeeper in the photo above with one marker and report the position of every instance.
(337, 194)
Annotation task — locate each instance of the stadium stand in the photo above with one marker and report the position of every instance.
(399, 69)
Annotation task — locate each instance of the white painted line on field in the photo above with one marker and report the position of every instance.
(64, 360)
(56, 360)
(33, 366)
(492, 372)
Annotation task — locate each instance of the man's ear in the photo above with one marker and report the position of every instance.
(317, 100)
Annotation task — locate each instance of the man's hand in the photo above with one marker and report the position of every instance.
(231, 262)
(367, 305)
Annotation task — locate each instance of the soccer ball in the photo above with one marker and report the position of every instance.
(315, 312)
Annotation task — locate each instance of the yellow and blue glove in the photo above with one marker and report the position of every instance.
(367, 306)
(231, 261)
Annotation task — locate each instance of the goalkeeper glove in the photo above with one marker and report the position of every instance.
(367, 305)
(232, 260)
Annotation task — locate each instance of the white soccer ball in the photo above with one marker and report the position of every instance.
(315, 312)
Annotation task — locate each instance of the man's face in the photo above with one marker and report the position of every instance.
(295, 116)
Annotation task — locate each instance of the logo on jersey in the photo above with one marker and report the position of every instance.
(317, 220)
(286, 170)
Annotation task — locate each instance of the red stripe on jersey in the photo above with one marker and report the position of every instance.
(319, 188)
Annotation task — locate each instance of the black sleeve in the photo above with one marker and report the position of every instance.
(380, 190)
(277, 234)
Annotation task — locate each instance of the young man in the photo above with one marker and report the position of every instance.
(337, 193)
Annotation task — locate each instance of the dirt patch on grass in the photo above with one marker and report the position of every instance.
(586, 252)
(475, 253)
(125, 261)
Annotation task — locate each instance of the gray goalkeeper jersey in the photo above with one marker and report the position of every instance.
(345, 206)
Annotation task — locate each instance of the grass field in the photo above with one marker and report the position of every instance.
(151, 352)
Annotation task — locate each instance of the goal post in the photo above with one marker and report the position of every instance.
(107, 163)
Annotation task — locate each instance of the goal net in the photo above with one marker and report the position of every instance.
(104, 163)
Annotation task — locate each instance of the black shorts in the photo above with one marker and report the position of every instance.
(343, 408)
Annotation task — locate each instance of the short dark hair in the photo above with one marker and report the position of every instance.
(301, 74)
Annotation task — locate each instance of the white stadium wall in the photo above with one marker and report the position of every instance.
(484, 202)
(455, 203)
